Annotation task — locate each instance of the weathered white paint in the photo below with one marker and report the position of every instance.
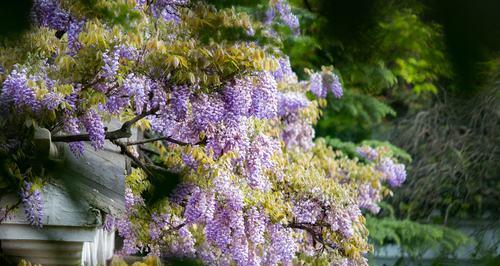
(75, 199)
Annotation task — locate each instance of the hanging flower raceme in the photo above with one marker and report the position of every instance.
(283, 9)
(32, 203)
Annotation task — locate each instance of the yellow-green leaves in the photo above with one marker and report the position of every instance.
(66, 62)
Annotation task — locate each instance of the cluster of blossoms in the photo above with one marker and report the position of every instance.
(166, 9)
(323, 82)
(32, 202)
(392, 173)
(256, 190)
(48, 13)
(284, 11)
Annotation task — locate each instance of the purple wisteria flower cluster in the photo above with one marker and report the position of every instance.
(166, 9)
(322, 83)
(32, 203)
(48, 13)
(367, 152)
(394, 173)
(284, 11)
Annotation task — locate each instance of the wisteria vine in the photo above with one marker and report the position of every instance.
(230, 117)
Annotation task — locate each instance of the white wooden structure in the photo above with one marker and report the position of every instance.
(75, 200)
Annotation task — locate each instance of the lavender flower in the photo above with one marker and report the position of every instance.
(231, 136)
(184, 246)
(290, 102)
(207, 109)
(284, 73)
(282, 248)
(180, 98)
(306, 211)
(32, 202)
(237, 97)
(367, 152)
(331, 82)
(297, 132)
(111, 64)
(16, 91)
(48, 13)
(395, 174)
(95, 128)
(52, 100)
(287, 16)
(255, 225)
(139, 87)
(125, 229)
(71, 127)
(258, 160)
(166, 9)
(316, 85)
(109, 223)
(342, 218)
(74, 30)
(156, 226)
(284, 11)
(369, 198)
(128, 52)
(264, 97)
(195, 207)
(270, 14)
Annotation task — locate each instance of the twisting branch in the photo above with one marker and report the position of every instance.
(122, 132)
(137, 161)
(169, 139)
(316, 237)
(147, 167)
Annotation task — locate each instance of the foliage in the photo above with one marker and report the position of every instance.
(350, 148)
(223, 115)
(353, 117)
(414, 238)
(388, 58)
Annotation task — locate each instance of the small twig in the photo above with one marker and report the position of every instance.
(8, 210)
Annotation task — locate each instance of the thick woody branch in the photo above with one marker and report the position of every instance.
(122, 132)
(169, 139)
(137, 161)
(147, 167)
(315, 235)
